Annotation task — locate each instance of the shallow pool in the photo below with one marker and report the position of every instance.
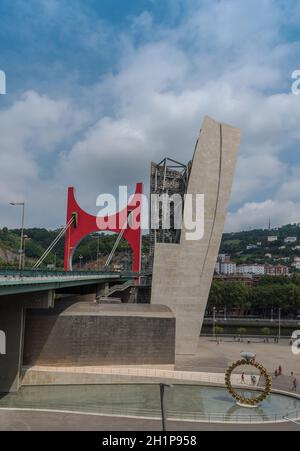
(181, 401)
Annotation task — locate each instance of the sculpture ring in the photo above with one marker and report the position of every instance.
(251, 402)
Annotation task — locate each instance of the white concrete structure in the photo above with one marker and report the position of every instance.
(228, 268)
(251, 269)
(272, 239)
(290, 239)
(182, 273)
(251, 246)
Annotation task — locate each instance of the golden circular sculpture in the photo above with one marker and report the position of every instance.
(249, 402)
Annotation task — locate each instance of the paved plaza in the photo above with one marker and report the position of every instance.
(212, 358)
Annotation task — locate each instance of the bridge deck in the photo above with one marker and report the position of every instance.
(17, 283)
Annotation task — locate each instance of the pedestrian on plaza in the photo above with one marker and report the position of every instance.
(253, 380)
(295, 384)
(280, 370)
(276, 373)
(243, 378)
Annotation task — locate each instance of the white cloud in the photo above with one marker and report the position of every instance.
(30, 129)
(225, 59)
(257, 214)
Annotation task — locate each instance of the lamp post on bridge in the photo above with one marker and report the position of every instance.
(20, 204)
(25, 238)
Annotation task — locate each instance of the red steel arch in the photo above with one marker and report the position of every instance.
(87, 224)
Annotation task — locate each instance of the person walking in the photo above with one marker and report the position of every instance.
(243, 378)
(295, 385)
(279, 370)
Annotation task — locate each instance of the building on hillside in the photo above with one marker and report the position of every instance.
(268, 255)
(251, 269)
(272, 239)
(224, 265)
(290, 239)
(223, 258)
(284, 259)
(296, 263)
(251, 246)
(228, 268)
(276, 270)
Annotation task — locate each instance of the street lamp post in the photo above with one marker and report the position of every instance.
(25, 238)
(214, 322)
(162, 404)
(20, 204)
(98, 251)
(279, 324)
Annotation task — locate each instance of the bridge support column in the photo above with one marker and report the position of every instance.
(12, 327)
(12, 321)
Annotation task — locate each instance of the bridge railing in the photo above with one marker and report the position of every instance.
(13, 272)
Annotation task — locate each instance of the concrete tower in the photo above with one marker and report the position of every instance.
(182, 273)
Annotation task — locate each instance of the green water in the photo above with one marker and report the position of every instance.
(184, 401)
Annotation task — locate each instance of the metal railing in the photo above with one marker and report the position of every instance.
(54, 273)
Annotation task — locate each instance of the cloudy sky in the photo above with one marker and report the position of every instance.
(97, 89)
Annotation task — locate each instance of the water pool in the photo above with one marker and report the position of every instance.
(181, 401)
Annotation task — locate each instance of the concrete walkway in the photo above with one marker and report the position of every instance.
(44, 375)
(53, 421)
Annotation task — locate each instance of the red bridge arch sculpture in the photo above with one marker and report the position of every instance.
(84, 224)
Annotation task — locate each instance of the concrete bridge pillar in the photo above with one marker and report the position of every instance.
(12, 329)
(12, 321)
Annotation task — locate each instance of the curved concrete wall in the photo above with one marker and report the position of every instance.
(182, 273)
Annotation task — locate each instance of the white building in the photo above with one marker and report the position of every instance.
(251, 269)
(271, 239)
(296, 263)
(251, 246)
(228, 268)
(290, 239)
